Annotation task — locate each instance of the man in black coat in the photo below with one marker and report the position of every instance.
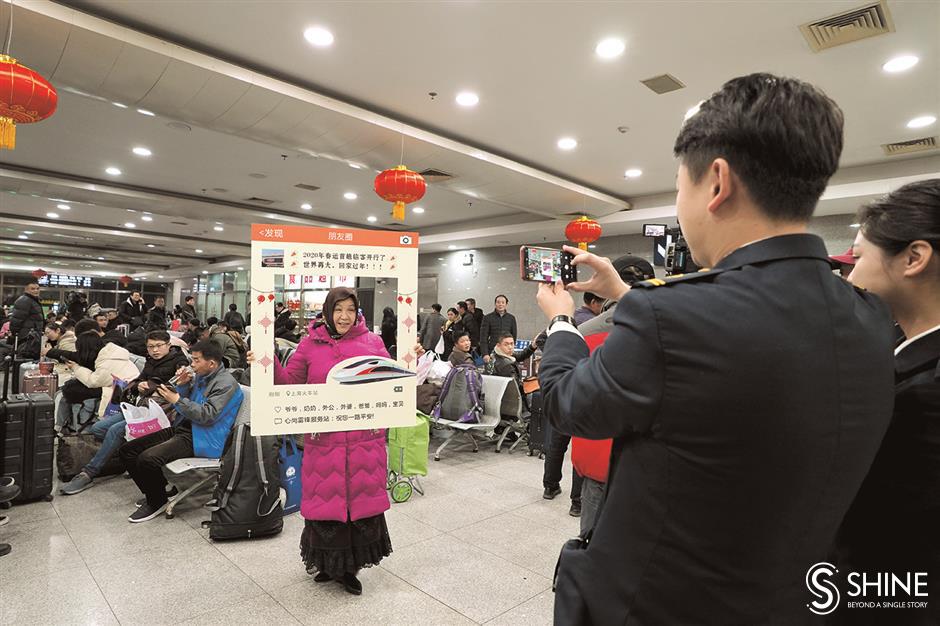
(746, 402)
(27, 313)
(163, 360)
(470, 325)
(494, 324)
(281, 315)
(188, 309)
(132, 311)
(156, 316)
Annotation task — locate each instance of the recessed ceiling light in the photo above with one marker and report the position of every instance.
(318, 36)
(900, 63)
(567, 143)
(452, 247)
(180, 126)
(218, 229)
(855, 225)
(54, 216)
(113, 171)
(130, 225)
(145, 112)
(241, 269)
(198, 251)
(146, 218)
(63, 207)
(440, 258)
(591, 246)
(159, 275)
(372, 218)
(920, 122)
(101, 258)
(501, 269)
(119, 105)
(467, 99)
(355, 166)
(349, 195)
(151, 245)
(306, 206)
(610, 48)
(271, 216)
(141, 151)
(633, 173)
(204, 272)
(417, 209)
(22, 237)
(27, 232)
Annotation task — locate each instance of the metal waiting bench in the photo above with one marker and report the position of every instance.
(494, 388)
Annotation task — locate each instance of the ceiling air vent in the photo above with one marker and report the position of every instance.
(664, 83)
(306, 187)
(906, 147)
(436, 176)
(256, 200)
(842, 28)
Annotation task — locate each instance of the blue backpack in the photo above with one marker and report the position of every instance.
(461, 397)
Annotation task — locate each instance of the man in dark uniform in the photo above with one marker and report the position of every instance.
(746, 402)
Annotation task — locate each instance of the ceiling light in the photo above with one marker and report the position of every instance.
(610, 48)
(467, 99)
(198, 251)
(318, 36)
(218, 229)
(349, 195)
(54, 216)
(159, 275)
(855, 225)
(130, 225)
(101, 258)
(141, 151)
(27, 232)
(567, 143)
(355, 166)
(151, 245)
(920, 122)
(306, 206)
(145, 112)
(417, 209)
(241, 269)
(591, 246)
(633, 173)
(502, 269)
(204, 272)
(451, 247)
(119, 105)
(146, 218)
(63, 207)
(900, 63)
(372, 218)
(440, 258)
(113, 171)
(22, 237)
(271, 216)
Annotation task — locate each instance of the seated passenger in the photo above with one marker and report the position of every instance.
(461, 353)
(505, 360)
(205, 412)
(289, 332)
(59, 337)
(163, 361)
(193, 331)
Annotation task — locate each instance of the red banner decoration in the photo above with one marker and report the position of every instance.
(125, 280)
(25, 98)
(401, 186)
(583, 231)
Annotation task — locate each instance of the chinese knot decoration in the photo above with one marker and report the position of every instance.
(39, 273)
(25, 97)
(125, 280)
(401, 186)
(583, 231)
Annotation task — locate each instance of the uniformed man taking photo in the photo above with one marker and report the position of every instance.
(746, 401)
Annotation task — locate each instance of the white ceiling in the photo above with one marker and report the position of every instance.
(252, 90)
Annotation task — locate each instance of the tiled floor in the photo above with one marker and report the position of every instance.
(480, 547)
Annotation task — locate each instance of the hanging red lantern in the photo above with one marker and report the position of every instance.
(125, 280)
(25, 98)
(583, 231)
(401, 186)
(39, 273)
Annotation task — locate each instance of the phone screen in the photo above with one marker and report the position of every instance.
(541, 264)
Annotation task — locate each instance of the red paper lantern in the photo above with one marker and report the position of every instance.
(125, 280)
(39, 273)
(400, 185)
(583, 231)
(25, 97)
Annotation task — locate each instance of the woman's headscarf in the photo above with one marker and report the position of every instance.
(336, 294)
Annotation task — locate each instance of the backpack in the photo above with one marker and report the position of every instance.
(461, 397)
(248, 494)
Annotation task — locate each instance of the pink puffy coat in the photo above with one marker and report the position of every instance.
(344, 473)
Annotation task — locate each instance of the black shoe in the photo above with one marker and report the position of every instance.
(170, 495)
(5, 549)
(352, 584)
(322, 577)
(551, 492)
(8, 492)
(145, 513)
(575, 510)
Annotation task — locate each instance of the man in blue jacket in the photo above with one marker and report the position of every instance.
(205, 412)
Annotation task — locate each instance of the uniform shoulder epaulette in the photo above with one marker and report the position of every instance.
(677, 278)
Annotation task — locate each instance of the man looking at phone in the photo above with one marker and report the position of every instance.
(205, 411)
(746, 402)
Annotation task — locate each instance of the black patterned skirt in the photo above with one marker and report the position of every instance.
(339, 547)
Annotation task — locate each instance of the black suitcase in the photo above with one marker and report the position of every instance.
(538, 427)
(27, 440)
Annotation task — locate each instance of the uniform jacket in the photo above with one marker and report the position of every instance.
(210, 403)
(893, 523)
(26, 316)
(746, 404)
(344, 473)
(493, 325)
(113, 361)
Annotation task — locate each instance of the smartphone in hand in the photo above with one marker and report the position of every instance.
(546, 265)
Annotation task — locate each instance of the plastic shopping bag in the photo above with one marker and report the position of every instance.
(425, 361)
(439, 348)
(289, 464)
(143, 420)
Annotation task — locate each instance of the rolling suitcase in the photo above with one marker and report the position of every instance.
(538, 428)
(37, 377)
(27, 439)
